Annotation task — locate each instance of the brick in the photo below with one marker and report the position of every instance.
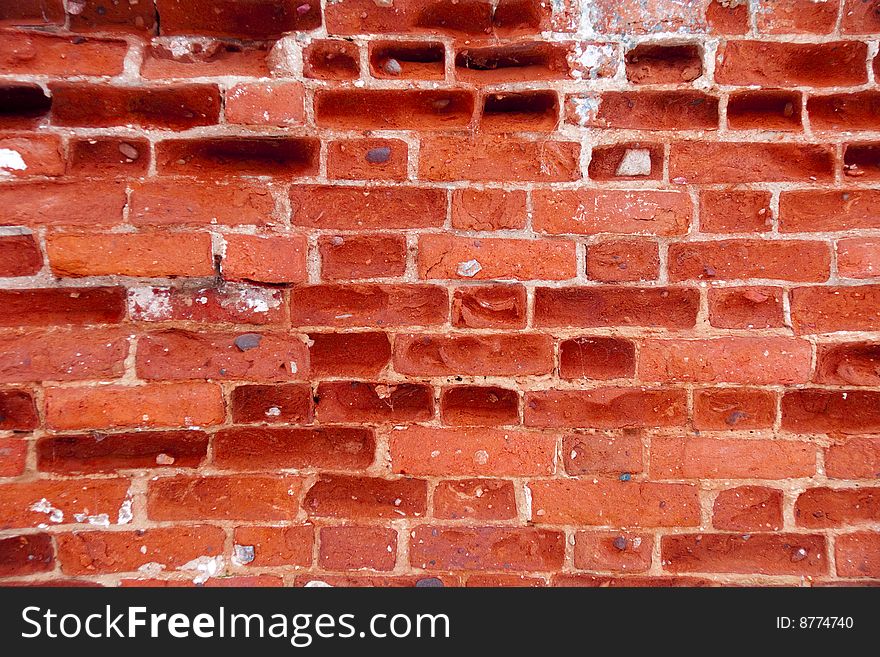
(60, 55)
(775, 64)
(533, 61)
(53, 306)
(88, 553)
(164, 202)
(131, 254)
(238, 155)
(54, 502)
(257, 20)
(13, 457)
(472, 451)
(830, 411)
(503, 580)
(475, 499)
(527, 111)
(753, 361)
(857, 555)
(768, 554)
(612, 551)
(354, 257)
(368, 305)
(740, 259)
(837, 507)
(367, 208)
(623, 261)
(755, 307)
(728, 162)
(597, 358)
(853, 363)
(122, 17)
(764, 110)
(62, 355)
(367, 159)
(204, 58)
(336, 496)
(445, 159)
(476, 355)
(862, 160)
(488, 209)
(631, 581)
(421, 60)
(348, 354)
(19, 256)
(111, 156)
(275, 104)
(858, 18)
(858, 457)
(17, 410)
(26, 555)
(653, 110)
(858, 258)
(748, 509)
(235, 497)
(373, 403)
(220, 303)
(729, 458)
(658, 63)
(615, 306)
(31, 12)
(278, 546)
(723, 211)
(62, 203)
(156, 405)
(587, 211)
(486, 548)
(603, 453)
(266, 259)
(728, 409)
(289, 403)
(489, 306)
(449, 257)
(33, 155)
(815, 211)
(355, 548)
(616, 503)
(797, 17)
(393, 109)
(854, 111)
(331, 59)
(479, 405)
(334, 448)
(831, 308)
(606, 408)
(98, 452)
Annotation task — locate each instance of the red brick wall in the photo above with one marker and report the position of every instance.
(570, 292)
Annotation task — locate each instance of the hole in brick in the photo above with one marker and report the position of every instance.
(109, 155)
(480, 405)
(862, 160)
(632, 161)
(764, 110)
(407, 59)
(661, 64)
(510, 112)
(597, 358)
(517, 15)
(22, 104)
(204, 58)
(331, 60)
(254, 155)
(522, 61)
(398, 109)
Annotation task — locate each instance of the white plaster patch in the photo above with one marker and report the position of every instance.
(44, 506)
(635, 162)
(125, 516)
(151, 304)
(204, 567)
(11, 160)
(469, 269)
(101, 520)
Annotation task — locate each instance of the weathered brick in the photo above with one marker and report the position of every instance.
(489, 548)
(837, 507)
(337, 496)
(748, 508)
(478, 355)
(770, 554)
(354, 548)
(606, 408)
(237, 497)
(476, 499)
(728, 458)
(363, 402)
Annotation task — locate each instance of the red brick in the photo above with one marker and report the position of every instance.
(237, 497)
(368, 305)
(855, 111)
(131, 254)
(837, 507)
(164, 202)
(478, 580)
(362, 256)
(272, 448)
(614, 503)
(87, 553)
(219, 303)
(858, 258)
(13, 457)
(205, 58)
(355, 548)
(587, 211)
(235, 155)
(727, 409)
(631, 581)
(335, 496)
(862, 160)
(26, 555)
(655, 110)
(723, 211)
(446, 159)
(33, 12)
(731, 162)
(108, 156)
(479, 405)
(728, 458)
(266, 259)
(19, 256)
(278, 546)
(39, 155)
(62, 355)
(420, 60)
(476, 499)
(258, 20)
(367, 208)
(623, 260)
(53, 502)
(367, 159)
(762, 109)
(138, 18)
(472, 451)
(372, 403)
(75, 306)
(606, 408)
(477, 355)
(102, 452)
(797, 17)
(616, 306)
(17, 410)
(156, 405)
(450, 257)
(858, 554)
(526, 111)
(489, 306)
(831, 411)
(74, 203)
(659, 63)
(858, 457)
(393, 109)
(775, 64)
(814, 211)
(832, 308)
(288, 403)
(331, 59)
(768, 554)
(60, 55)
(747, 509)
(738, 259)
(488, 209)
(859, 17)
(255, 103)
(597, 358)
(348, 354)
(486, 548)
(612, 551)
(746, 307)
(735, 360)
(526, 61)
(849, 363)
(603, 453)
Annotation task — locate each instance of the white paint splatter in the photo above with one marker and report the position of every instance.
(125, 514)
(10, 159)
(44, 506)
(205, 568)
